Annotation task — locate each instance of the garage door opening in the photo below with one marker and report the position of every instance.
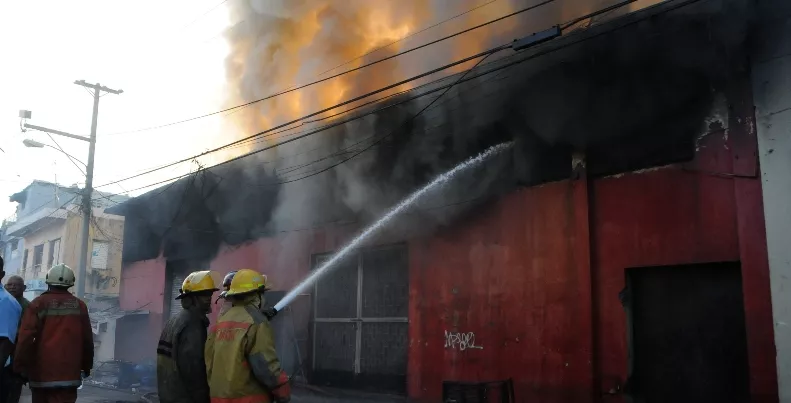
(688, 340)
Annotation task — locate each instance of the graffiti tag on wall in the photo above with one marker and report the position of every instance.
(461, 341)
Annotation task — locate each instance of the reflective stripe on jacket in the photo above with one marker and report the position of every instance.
(55, 341)
(241, 361)
(181, 368)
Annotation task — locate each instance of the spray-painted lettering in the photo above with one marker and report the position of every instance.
(461, 341)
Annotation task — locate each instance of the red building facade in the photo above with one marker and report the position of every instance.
(579, 290)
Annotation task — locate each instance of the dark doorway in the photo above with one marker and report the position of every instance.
(688, 334)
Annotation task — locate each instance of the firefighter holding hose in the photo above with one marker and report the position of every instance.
(227, 303)
(241, 362)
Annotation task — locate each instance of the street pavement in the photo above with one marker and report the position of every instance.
(90, 394)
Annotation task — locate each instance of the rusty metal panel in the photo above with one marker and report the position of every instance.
(336, 344)
(385, 290)
(498, 296)
(336, 294)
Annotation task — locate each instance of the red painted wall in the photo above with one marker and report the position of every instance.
(511, 277)
(142, 287)
(508, 277)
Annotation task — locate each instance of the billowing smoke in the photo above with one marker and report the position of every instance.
(629, 99)
(647, 87)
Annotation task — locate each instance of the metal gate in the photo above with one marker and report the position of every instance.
(360, 321)
(175, 306)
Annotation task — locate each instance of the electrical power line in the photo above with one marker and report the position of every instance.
(543, 3)
(349, 101)
(202, 15)
(72, 159)
(379, 140)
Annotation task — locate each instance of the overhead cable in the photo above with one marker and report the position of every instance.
(545, 2)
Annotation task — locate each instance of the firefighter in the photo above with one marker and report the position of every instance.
(226, 285)
(241, 360)
(181, 368)
(55, 344)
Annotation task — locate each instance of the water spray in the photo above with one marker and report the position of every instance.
(399, 208)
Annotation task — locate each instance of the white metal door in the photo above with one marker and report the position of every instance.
(361, 317)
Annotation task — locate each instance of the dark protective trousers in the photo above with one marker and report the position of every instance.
(54, 395)
(11, 388)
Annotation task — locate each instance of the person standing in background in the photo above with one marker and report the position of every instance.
(13, 382)
(10, 312)
(15, 285)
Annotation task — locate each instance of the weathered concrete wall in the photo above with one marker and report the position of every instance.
(105, 227)
(143, 287)
(771, 73)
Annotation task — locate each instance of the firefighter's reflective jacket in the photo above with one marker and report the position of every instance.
(55, 341)
(226, 306)
(241, 360)
(181, 370)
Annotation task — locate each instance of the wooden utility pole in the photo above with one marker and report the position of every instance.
(88, 190)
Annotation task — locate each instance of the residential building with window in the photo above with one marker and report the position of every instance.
(47, 231)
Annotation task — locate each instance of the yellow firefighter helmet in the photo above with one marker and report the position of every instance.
(198, 281)
(247, 281)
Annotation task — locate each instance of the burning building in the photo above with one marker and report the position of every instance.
(621, 242)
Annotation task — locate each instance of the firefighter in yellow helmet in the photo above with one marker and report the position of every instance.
(241, 362)
(181, 370)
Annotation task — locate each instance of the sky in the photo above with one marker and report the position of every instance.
(167, 56)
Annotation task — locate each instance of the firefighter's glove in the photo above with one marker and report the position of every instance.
(270, 313)
(282, 392)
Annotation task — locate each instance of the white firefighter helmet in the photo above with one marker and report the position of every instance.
(60, 275)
